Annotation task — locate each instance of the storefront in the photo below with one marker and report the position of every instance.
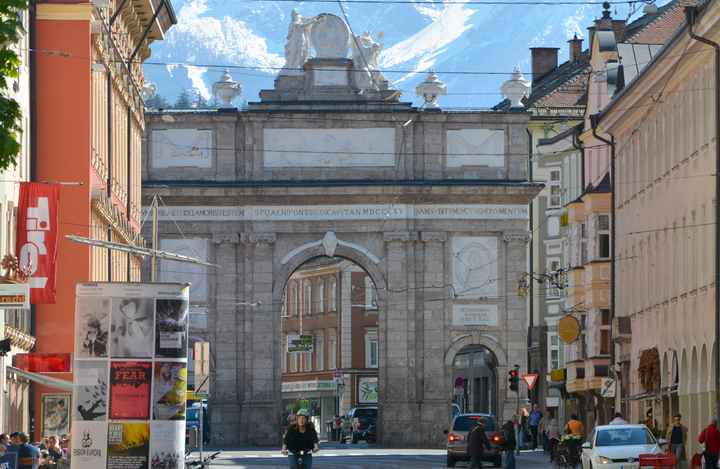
(318, 397)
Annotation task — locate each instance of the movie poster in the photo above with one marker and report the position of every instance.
(128, 445)
(170, 391)
(130, 390)
(89, 445)
(167, 445)
(92, 323)
(172, 328)
(131, 330)
(56, 414)
(91, 390)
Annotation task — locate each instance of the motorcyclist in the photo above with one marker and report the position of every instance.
(300, 441)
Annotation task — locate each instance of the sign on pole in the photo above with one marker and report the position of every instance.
(202, 367)
(607, 388)
(531, 380)
(299, 343)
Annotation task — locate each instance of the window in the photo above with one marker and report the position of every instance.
(583, 244)
(321, 297)
(308, 299)
(284, 359)
(603, 236)
(371, 349)
(551, 290)
(320, 351)
(333, 295)
(307, 364)
(370, 294)
(555, 189)
(555, 352)
(293, 359)
(605, 342)
(332, 351)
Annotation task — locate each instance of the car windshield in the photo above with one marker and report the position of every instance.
(465, 423)
(624, 437)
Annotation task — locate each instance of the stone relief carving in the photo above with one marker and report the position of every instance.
(330, 243)
(297, 47)
(474, 261)
(365, 52)
(519, 237)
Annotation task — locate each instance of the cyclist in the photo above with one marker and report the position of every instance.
(574, 426)
(300, 441)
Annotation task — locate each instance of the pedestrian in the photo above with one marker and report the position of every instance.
(522, 430)
(552, 431)
(618, 419)
(301, 440)
(509, 443)
(710, 437)
(477, 444)
(28, 455)
(53, 448)
(677, 436)
(534, 420)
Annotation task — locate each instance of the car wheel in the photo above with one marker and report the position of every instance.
(450, 460)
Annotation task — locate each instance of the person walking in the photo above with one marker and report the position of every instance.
(552, 432)
(710, 437)
(509, 443)
(677, 436)
(534, 420)
(300, 441)
(477, 444)
(618, 419)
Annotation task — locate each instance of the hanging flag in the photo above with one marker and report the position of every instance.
(37, 238)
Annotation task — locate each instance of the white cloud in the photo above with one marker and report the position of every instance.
(574, 23)
(195, 74)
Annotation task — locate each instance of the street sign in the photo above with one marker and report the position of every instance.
(607, 388)
(299, 343)
(530, 379)
(196, 396)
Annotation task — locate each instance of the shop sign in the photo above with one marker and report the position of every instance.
(307, 386)
(569, 329)
(299, 343)
(14, 296)
(607, 388)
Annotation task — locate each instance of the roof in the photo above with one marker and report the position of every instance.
(658, 27)
(603, 187)
(561, 136)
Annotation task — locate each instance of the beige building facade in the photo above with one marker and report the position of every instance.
(665, 147)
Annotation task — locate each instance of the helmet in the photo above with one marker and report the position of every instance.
(303, 412)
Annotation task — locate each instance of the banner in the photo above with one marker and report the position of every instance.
(55, 414)
(130, 376)
(37, 237)
(8, 461)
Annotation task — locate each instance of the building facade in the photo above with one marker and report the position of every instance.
(89, 115)
(665, 161)
(431, 204)
(335, 302)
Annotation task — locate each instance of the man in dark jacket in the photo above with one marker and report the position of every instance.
(477, 443)
(509, 444)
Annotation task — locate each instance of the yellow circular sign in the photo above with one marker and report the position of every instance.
(569, 329)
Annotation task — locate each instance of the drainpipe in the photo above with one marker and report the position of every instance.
(531, 319)
(578, 146)
(32, 8)
(594, 123)
(691, 16)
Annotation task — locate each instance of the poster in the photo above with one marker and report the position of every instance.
(367, 390)
(131, 330)
(130, 390)
(170, 391)
(92, 323)
(128, 445)
(37, 236)
(8, 461)
(89, 445)
(91, 390)
(55, 414)
(167, 445)
(171, 337)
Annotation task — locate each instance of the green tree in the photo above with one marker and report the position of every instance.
(10, 113)
(157, 102)
(200, 102)
(183, 101)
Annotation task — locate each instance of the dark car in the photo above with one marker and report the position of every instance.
(363, 421)
(457, 439)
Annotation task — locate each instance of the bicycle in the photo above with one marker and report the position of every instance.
(567, 453)
(201, 463)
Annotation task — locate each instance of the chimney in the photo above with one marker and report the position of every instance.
(575, 48)
(544, 61)
(618, 27)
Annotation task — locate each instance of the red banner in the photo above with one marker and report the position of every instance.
(37, 237)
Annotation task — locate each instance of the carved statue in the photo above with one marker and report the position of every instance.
(365, 52)
(297, 47)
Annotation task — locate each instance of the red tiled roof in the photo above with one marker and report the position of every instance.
(661, 29)
(570, 93)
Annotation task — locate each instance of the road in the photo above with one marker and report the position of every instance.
(360, 457)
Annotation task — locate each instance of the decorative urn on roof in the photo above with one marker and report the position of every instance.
(516, 88)
(431, 90)
(226, 90)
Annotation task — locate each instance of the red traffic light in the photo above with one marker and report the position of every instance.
(513, 373)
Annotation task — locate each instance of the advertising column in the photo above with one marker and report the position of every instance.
(130, 376)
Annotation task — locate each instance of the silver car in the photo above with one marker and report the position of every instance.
(457, 438)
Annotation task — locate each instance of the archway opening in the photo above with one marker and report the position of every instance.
(330, 349)
(475, 383)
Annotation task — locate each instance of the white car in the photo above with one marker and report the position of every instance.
(618, 447)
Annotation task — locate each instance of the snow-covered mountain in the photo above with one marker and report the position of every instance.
(452, 38)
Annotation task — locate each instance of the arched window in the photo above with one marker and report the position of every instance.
(333, 295)
(321, 296)
(308, 299)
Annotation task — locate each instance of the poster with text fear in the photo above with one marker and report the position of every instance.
(130, 390)
(170, 391)
(171, 335)
(88, 445)
(128, 445)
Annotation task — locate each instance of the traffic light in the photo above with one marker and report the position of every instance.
(514, 379)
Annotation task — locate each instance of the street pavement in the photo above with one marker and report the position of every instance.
(360, 456)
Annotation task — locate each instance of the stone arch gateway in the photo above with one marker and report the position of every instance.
(432, 205)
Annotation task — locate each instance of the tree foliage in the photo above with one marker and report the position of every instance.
(157, 102)
(11, 29)
(184, 100)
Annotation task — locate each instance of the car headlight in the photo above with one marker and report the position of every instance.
(604, 460)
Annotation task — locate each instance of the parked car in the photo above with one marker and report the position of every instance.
(455, 410)
(457, 438)
(618, 447)
(361, 424)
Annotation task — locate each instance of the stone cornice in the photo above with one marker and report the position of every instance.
(226, 238)
(400, 236)
(433, 236)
